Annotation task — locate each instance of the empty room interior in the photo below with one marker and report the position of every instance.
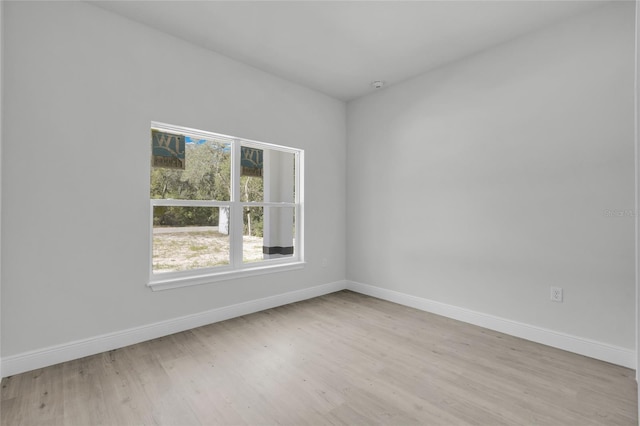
(453, 241)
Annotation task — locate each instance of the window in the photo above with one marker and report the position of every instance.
(221, 207)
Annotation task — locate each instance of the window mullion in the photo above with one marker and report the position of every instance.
(188, 203)
(236, 207)
(299, 201)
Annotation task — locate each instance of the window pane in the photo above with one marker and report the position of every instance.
(207, 173)
(252, 234)
(279, 175)
(251, 188)
(268, 233)
(267, 175)
(186, 238)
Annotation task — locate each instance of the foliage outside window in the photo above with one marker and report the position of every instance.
(235, 208)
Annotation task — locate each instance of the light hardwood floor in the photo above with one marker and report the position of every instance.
(343, 358)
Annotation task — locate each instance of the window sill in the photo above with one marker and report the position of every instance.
(159, 283)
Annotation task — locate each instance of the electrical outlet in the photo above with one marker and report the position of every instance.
(556, 294)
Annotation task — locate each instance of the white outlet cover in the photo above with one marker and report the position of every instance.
(556, 294)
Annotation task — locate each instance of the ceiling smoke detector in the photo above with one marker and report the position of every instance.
(377, 84)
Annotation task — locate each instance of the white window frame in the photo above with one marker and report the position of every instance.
(236, 268)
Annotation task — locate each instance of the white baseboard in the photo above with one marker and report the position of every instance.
(593, 349)
(66, 352)
(32, 360)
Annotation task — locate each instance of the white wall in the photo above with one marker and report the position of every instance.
(637, 166)
(82, 86)
(485, 182)
(1, 133)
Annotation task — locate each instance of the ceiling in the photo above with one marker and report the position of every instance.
(340, 47)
